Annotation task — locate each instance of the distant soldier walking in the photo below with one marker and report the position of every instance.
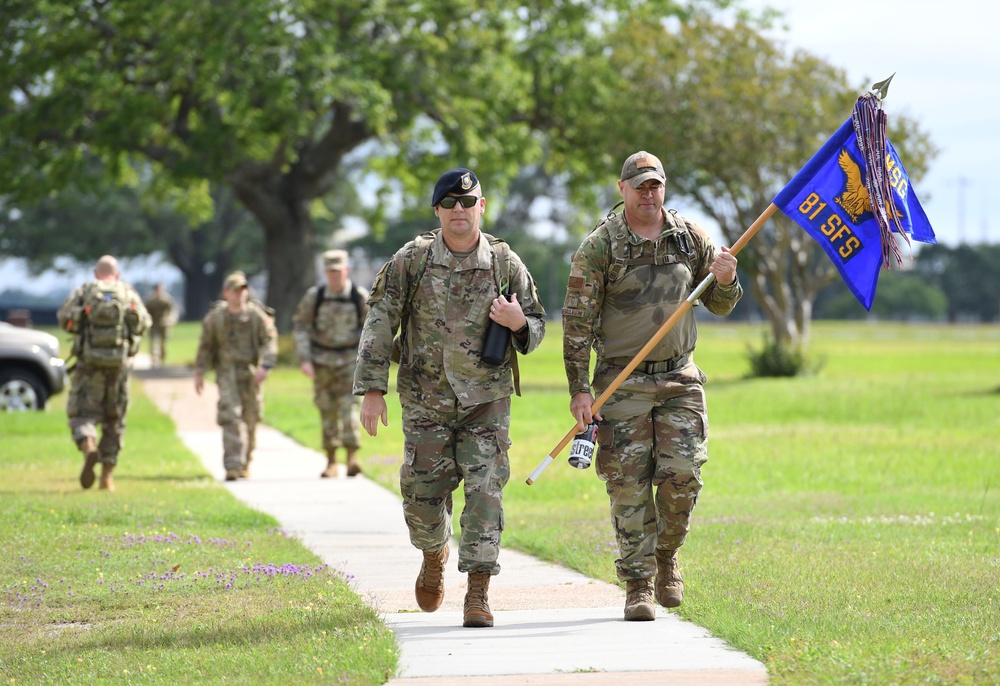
(239, 341)
(163, 310)
(107, 319)
(327, 328)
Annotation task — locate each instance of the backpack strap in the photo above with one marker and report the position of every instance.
(358, 304)
(320, 292)
(689, 245)
(501, 273)
(356, 300)
(414, 273)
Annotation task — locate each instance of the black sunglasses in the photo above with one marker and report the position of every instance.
(467, 201)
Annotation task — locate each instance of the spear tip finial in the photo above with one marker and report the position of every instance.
(882, 87)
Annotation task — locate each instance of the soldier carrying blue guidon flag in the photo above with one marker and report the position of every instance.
(851, 197)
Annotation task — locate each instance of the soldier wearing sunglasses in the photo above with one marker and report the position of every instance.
(443, 289)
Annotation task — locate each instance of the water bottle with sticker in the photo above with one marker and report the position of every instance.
(581, 451)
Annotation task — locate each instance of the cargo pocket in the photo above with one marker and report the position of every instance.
(501, 465)
(406, 480)
(608, 465)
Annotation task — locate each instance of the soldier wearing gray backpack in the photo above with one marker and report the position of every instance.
(107, 319)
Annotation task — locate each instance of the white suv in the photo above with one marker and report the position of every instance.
(30, 368)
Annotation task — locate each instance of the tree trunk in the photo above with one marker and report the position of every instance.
(291, 271)
(289, 241)
(200, 291)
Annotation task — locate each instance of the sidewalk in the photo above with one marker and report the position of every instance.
(553, 625)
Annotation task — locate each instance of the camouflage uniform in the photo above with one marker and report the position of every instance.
(654, 435)
(99, 391)
(328, 337)
(163, 310)
(455, 407)
(235, 345)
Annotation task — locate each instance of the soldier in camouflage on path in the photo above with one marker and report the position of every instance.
(441, 291)
(163, 310)
(239, 341)
(627, 278)
(107, 320)
(327, 328)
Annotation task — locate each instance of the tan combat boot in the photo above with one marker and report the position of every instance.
(477, 607)
(353, 468)
(232, 474)
(669, 586)
(89, 449)
(331, 464)
(639, 601)
(245, 472)
(106, 483)
(429, 588)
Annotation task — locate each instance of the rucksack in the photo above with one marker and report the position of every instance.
(415, 272)
(355, 296)
(621, 257)
(107, 340)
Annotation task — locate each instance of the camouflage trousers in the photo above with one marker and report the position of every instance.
(158, 343)
(653, 442)
(240, 408)
(338, 406)
(99, 396)
(443, 450)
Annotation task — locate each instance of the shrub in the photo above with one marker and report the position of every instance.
(780, 359)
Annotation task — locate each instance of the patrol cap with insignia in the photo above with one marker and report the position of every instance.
(334, 260)
(642, 166)
(454, 181)
(235, 281)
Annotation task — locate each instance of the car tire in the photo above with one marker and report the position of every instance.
(21, 390)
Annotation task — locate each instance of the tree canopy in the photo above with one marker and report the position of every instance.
(268, 96)
(271, 99)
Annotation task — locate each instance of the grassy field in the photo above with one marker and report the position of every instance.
(168, 580)
(849, 529)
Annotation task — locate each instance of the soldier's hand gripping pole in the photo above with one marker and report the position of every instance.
(651, 343)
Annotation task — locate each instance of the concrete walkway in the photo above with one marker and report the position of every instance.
(553, 625)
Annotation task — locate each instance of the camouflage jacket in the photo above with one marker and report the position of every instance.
(163, 310)
(622, 287)
(329, 334)
(448, 317)
(233, 340)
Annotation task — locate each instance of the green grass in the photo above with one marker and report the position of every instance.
(849, 529)
(168, 580)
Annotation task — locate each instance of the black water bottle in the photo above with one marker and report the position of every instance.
(495, 342)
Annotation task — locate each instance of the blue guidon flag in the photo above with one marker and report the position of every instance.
(853, 195)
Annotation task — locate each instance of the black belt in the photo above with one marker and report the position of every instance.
(654, 366)
(335, 349)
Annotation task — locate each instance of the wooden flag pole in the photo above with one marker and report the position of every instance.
(651, 343)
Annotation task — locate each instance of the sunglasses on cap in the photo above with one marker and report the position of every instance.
(467, 201)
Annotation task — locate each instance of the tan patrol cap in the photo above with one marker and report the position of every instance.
(642, 166)
(334, 259)
(235, 281)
